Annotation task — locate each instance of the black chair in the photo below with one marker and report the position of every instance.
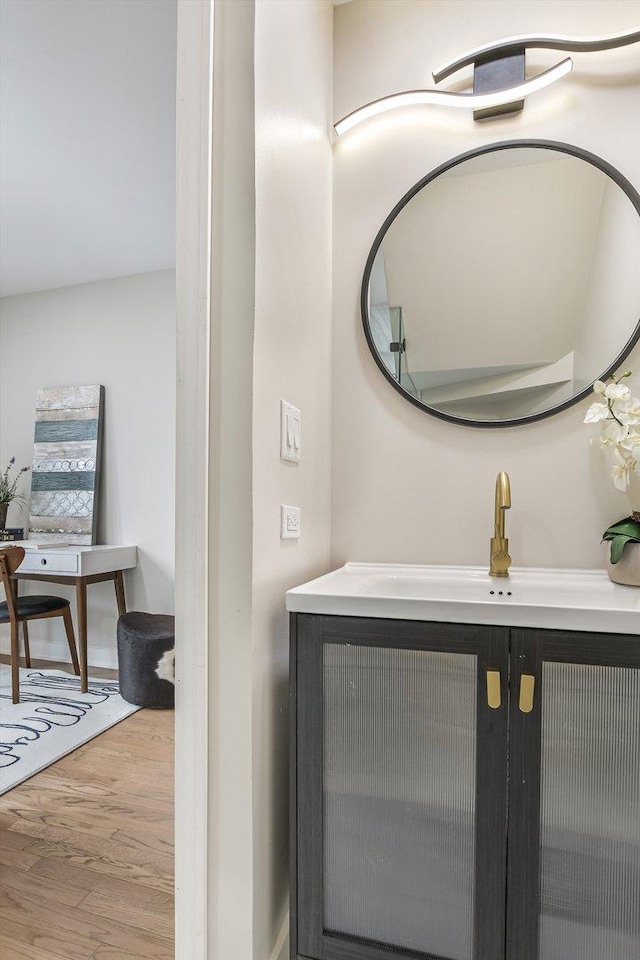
(19, 610)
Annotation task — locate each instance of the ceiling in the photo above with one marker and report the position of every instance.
(87, 140)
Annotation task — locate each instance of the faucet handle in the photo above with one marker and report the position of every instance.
(500, 559)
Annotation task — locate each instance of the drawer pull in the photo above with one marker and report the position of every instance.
(44, 561)
(494, 698)
(527, 686)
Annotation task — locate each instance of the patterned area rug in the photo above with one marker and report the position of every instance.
(52, 719)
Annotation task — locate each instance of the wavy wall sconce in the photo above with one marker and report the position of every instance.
(499, 85)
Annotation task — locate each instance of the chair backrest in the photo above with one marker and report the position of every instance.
(10, 560)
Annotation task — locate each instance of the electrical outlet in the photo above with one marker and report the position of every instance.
(290, 519)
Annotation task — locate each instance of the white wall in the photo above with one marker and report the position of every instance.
(270, 339)
(292, 361)
(408, 487)
(230, 381)
(119, 333)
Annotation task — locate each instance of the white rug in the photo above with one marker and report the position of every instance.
(52, 719)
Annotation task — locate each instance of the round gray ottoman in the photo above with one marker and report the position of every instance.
(143, 641)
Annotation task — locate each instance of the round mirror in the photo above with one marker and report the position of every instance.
(505, 283)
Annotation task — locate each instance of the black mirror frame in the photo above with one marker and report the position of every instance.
(567, 148)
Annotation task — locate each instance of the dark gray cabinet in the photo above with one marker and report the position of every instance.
(463, 792)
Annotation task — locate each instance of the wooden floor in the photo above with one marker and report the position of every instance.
(86, 850)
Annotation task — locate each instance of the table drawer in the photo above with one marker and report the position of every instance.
(49, 561)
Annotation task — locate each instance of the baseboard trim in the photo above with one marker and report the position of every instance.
(58, 651)
(281, 947)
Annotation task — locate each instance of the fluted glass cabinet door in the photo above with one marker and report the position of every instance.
(404, 764)
(581, 900)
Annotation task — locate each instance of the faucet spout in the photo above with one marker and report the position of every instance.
(500, 559)
(502, 502)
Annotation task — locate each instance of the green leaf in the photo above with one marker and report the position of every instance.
(617, 546)
(628, 527)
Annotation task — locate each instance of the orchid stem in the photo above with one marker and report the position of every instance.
(610, 405)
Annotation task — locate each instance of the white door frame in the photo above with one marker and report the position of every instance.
(193, 303)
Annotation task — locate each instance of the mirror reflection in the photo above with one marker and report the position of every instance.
(505, 285)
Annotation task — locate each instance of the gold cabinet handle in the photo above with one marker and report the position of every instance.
(527, 685)
(493, 689)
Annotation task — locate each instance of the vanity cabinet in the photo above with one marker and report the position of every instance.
(463, 792)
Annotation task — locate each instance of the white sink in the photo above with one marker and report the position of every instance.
(560, 599)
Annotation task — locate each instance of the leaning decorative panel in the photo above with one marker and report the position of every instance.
(66, 464)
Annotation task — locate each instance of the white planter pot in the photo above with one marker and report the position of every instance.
(627, 569)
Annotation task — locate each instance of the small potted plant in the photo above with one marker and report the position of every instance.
(9, 489)
(619, 412)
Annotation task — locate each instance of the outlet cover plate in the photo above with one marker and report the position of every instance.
(290, 520)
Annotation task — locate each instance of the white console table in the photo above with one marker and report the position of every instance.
(79, 566)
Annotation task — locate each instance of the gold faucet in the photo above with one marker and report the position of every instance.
(500, 559)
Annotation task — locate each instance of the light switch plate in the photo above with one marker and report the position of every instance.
(290, 520)
(290, 427)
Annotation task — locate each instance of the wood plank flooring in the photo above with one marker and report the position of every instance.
(86, 850)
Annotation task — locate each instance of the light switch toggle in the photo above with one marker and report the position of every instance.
(290, 427)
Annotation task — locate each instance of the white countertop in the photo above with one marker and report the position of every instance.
(529, 597)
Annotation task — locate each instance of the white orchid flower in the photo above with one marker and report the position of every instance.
(616, 391)
(631, 442)
(620, 472)
(616, 432)
(619, 413)
(596, 412)
(628, 410)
